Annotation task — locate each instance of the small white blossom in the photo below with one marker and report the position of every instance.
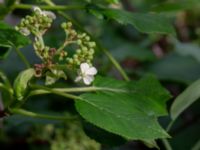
(86, 73)
(24, 31)
(37, 9)
(44, 13)
(49, 14)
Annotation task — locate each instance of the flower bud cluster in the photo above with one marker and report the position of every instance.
(85, 47)
(85, 52)
(39, 22)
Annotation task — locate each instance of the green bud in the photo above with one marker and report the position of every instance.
(91, 51)
(64, 25)
(16, 28)
(60, 58)
(49, 25)
(73, 32)
(75, 56)
(84, 34)
(69, 25)
(37, 44)
(84, 49)
(88, 61)
(78, 63)
(26, 22)
(79, 42)
(78, 51)
(46, 48)
(87, 38)
(92, 44)
(90, 57)
(70, 60)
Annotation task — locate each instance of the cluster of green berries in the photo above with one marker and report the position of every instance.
(37, 23)
(85, 51)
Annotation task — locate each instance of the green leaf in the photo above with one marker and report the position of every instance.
(3, 11)
(11, 37)
(4, 51)
(123, 51)
(144, 22)
(177, 68)
(129, 109)
(21, 83)
(196, 146)
(185, 99)
(6, 89)
(6, 7)
(188, 49)
(176, 6)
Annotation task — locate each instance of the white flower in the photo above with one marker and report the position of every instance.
(44, 13)
(86, 73)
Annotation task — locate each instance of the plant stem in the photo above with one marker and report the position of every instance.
(22, 57)
(37, 115)
(196, 146)
(42, 90)
(116, 64)
(170, 125)
(57, 7)
(107, 53)
(54, 91)
(166, 144)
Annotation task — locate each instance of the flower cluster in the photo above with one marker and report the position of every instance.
(85, 51)
(52, 58)
(38, 23)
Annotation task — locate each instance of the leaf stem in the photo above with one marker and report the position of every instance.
(54, 91)
(166, 144)
(22, 57)
(57, 7)
(107, 53)
(42, 90)
(170, 125)
(37, 115)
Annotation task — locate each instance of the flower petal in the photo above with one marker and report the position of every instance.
(37, 9)
(91, 71)
(84, 67)
(88, 79)
(78, 78)
(49, 14)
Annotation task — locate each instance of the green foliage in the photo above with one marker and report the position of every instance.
(174, 67)
(6, 89)
(188, 49)
(176, 6)
(21, 83)
(10, 37)
(144, 22)
(125, 108)
(185, 99)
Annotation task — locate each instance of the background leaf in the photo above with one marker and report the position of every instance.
(144, 22)
(174, 67)
(176, 6)
(131, 114)
(185, 99)
(10, 37)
